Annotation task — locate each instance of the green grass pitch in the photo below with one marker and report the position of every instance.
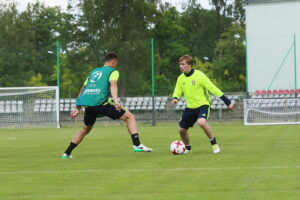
(256, 162)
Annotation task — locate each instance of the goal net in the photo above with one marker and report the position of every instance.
(29, 107)
(271, 111)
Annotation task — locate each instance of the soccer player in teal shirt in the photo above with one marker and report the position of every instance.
(94, 96)
(196, 88)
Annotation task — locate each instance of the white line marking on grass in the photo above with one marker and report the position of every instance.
(149, 170)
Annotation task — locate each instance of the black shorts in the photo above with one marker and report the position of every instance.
(191, 115)
(109, 110)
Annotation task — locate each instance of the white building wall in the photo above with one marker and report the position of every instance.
(270, 30)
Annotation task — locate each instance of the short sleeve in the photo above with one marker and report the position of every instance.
(86, 81)
(114, 76)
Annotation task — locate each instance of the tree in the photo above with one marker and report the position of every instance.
(223, 8)
(201, 30)
(47, 25)
(121, 26)
(27, 43)
(14, 51)
(37, 80)
(169, 45)
(239, 12)
(229, 64)
(205, 67)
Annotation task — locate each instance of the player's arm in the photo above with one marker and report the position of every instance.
(75, 112)
(206, 82)
(177, 92)
(113, 80)
(81, 90)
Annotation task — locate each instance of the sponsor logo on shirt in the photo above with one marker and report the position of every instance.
(95, 76)
(92, 91)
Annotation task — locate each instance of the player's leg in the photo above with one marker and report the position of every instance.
(185, 138)
(129, 118)
(131, 123)
(89, 120)
(184, 135)
(187, 120)
(78, 137)
(202, 122)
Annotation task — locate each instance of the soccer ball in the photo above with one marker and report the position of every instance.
(177, 147)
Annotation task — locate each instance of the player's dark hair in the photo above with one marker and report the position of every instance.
(189, 60)
(110, 56)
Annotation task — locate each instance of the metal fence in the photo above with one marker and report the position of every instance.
(165, 112)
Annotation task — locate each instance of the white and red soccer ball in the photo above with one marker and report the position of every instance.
(177, 147)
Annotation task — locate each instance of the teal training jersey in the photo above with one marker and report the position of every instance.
(113, 76)
(97, 90)
(196, 89)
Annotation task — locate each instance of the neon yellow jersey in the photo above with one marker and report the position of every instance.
(113, 76)
(196, 89)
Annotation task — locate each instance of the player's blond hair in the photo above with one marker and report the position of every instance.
(189, 60)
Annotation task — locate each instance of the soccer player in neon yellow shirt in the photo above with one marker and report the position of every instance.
(196, 88)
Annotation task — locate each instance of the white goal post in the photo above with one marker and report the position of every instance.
(271, 111)
(29, 107)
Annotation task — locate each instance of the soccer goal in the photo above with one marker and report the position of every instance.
(29, 107)
(271, 111)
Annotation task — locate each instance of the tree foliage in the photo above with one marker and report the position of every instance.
(229, 62)
(28, 43)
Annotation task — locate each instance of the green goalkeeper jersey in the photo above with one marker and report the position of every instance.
(196, 88)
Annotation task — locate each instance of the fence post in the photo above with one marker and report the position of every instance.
(153, 83)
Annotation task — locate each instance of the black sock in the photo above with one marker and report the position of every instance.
(135, 139)
(188, 147)
(70, 148)
(213, 141)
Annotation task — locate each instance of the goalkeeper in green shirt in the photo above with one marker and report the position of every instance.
(196, 88)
